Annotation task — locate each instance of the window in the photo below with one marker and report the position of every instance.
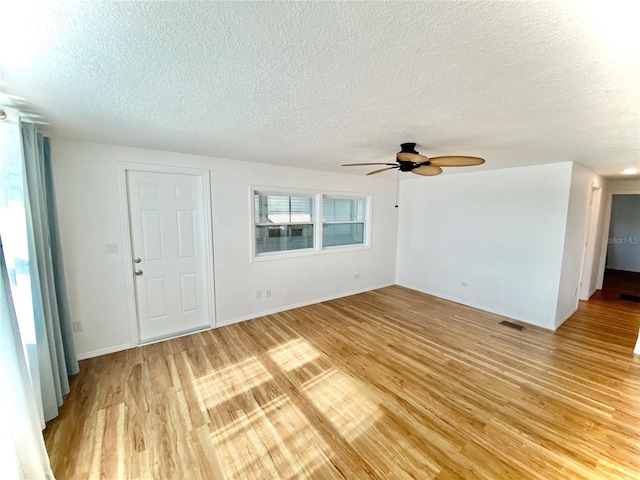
(13, 228)
(283, 222)
(307, 222)
(342, 221)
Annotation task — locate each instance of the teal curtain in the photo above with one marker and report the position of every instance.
(56, 355)
(64, 314)
(23, 455)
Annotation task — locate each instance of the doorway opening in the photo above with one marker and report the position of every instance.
(621, 280)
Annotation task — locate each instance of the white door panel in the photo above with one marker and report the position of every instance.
(167, 223)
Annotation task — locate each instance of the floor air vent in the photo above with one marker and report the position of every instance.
(512, 325)
(631, 298)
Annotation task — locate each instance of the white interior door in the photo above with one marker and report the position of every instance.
(167, 215)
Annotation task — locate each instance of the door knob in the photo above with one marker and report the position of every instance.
(138, 272)
(137, 260)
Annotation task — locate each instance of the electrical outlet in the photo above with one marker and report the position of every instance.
(356, 276)
(268, 292)
(77, 326)
(258, 294)
(110, 248)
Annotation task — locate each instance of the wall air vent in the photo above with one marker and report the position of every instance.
(512, 325)
(630, 298)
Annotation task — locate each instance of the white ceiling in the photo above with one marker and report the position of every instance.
(319, 84)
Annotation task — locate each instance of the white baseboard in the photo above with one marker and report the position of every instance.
(118, 348)
(224, 323)
(104, 351)
(566, 317)
(589, 295)
(475, 305)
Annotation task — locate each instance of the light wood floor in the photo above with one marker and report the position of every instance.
(388, 384)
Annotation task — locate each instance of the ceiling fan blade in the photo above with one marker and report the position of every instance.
(381, 170)
(411, 157)
(427, 170)
(358, 164)
(456, 161)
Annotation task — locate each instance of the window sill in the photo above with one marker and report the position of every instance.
(309, 252)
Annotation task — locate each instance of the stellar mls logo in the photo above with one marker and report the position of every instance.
(621, 240)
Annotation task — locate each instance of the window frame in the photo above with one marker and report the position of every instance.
(289, 224)
(364, 221)
(317, 222)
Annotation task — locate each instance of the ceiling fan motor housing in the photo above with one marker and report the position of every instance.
(406, 166)
(407, 148)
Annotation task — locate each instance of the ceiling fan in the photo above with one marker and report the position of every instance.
(408, 160)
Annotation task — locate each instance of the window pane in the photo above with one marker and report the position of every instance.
(257, 208)
(278, 238)
(343, 209)
(301, 208)
(342, 234)
(282, 209)
(278, 209)
(13, 227)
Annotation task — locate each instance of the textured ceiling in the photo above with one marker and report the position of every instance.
(318, 84)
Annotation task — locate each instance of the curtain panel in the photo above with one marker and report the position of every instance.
(22, 451)
(56, 355)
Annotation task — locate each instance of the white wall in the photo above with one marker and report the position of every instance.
(582, 180)
(501, 232)
(612, 187)
(624, 233)
(88, 202)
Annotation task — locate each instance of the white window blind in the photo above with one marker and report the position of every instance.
(343, 221)
(283, 222)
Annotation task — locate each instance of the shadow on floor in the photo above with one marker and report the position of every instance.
(619, 282)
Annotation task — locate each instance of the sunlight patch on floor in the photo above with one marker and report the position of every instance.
(293, 354)
(226, 383)
(267, 433)
(272, 441)
(343, 402)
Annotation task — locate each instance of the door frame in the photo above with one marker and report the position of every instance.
(123, 168)
(621, 187)
(588, 254)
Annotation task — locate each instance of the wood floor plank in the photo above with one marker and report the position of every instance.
(390, 383)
